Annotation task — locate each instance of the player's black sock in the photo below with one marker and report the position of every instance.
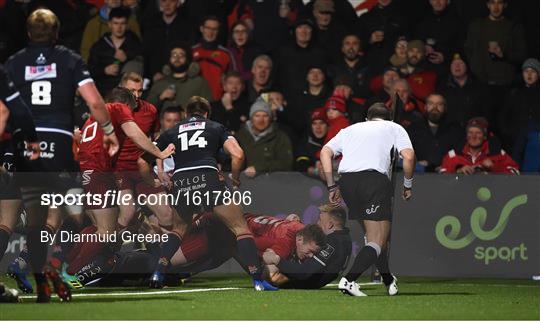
(5, 233)
(168, 249)
(365, 258)
(247, 256)
(62, 247)
(37, 249)
(382, 266)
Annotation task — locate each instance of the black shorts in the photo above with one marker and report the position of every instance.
(197, 191)
(368, 195)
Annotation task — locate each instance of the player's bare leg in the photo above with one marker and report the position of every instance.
(233, 217)
(9, 212)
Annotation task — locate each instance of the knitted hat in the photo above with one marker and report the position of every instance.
(336, 103)
(478, 122)
(418, 44)
(260, 105)
(319, 114)
(531, 63)
(324, 6)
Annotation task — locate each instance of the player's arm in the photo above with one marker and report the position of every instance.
(16, 109)
(232, 147)
(4, 116)
(138, 137)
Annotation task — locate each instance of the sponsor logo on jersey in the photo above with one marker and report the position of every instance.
(33, 73)
(41, 60)
(191, 126)
(326, 252)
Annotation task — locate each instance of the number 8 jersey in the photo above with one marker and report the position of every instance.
(197, 141)
(47, 77)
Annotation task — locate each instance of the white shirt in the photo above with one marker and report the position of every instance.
(368, 145)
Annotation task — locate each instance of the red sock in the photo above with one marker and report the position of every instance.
(87, 252)
(75, 250)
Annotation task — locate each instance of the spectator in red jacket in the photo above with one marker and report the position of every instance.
(214, 59)
(335, 111)
(479, 154)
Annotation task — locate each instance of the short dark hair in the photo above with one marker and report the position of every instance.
(232, 73)
(313, 233)
(209, 17)
(170, 109)
(122, 95)
(43, 26)
(119, 12)
(379, 110)
(198, 106)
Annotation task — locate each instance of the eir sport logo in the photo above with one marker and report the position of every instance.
(478, 219)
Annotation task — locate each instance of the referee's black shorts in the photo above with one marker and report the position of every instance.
(368, 195)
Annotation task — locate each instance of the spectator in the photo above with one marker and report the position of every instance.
(233, 109)
(163, 28)
(520, 118)
(183, 82)
(399, 58)
(465, 95)
(308, 152)
(421, 80)
(329, 31)
(443, 34)
(335, 112)
(344, 12)
(214, 59)
(99, 25)
(383, 92)
(266, 147)
(242, 49)
(260, 81)
(294, 60)
(436, 136)
(478, 154)
(170, 116)
(407, 114)
(494, 46)
(379, 30)
(115, 53)
(352, 63)
(302, 104)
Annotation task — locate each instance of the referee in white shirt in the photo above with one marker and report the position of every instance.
(367, 149)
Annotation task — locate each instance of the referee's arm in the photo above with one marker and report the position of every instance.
(409, 163)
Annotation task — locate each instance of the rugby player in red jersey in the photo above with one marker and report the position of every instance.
(96, 167)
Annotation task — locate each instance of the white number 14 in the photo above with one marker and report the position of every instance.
(195, 139)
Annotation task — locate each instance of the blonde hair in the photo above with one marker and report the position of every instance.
(43, 26)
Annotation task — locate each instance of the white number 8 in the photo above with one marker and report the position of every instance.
(41, 93)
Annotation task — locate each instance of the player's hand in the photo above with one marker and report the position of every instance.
(168, 151)
(251, 172)
(334, 196)
(293, 217)
(270, 257)
(235, 181)
(110, 143)
(120, 55)
(112, 70)
(164, 179)
(33, 148)
(407, 194)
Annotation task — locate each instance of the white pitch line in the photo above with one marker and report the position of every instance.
(196, 290)
(361, 284)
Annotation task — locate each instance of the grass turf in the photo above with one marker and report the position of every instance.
(419, 299)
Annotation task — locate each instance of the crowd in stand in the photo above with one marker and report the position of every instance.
(284, 76)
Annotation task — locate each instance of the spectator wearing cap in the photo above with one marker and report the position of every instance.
(479, 154)
(433, 138)
(308, 152)
(182, 82)
(442, 32)
(329, 30)
(163, 28)
(266, 147)
(99, 25)
(351, 62)
(213, 59)
(410, 113)
(115, 52)
(520, 118)
(466, 96)
(421, 80)
(343, 12)
(495, 46)
(382, 86)
(355, 106)
(294, 60)
(335, 112)
(243, 50)
(379, 30)
(232, 110)
(302, 104)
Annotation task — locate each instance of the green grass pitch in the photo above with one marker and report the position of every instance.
(230, 297)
